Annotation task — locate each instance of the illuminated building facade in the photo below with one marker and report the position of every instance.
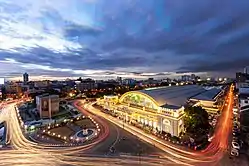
(161, 108)
(138, 107)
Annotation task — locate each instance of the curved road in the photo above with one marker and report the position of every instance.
(25, 152)
(209, 156)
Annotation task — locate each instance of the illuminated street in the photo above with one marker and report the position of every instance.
(25, 152)
(124, 83)
(211, 155)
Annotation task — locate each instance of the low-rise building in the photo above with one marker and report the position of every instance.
(129, 81)
(13, 88)
(243, 98)
(41, 84)
(85, 86)
(47, 105)
(208, 100)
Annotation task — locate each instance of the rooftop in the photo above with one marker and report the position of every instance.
(173, 96)
(48, 96)
(244, 90)
(208, 95)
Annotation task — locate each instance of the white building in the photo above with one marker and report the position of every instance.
(243, 99)
(161, 108)
(208, 100)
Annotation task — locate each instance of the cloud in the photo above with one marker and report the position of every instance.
(134, 38)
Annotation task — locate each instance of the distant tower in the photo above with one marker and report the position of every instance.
(119, 80)
(25, 78)
(246, 70)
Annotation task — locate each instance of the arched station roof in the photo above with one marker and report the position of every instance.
(170, 96)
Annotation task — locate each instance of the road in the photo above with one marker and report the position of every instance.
(209, 156)
(25, 152)
(121, 140)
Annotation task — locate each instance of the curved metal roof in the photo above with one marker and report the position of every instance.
(173, 95)
(209, 95)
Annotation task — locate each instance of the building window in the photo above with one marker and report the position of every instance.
(166, 122)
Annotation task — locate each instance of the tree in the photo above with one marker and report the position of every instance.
(196, 122)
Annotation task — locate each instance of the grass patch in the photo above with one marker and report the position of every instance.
(63, 131)
(85, 122)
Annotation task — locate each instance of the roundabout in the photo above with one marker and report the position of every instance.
(85, 134)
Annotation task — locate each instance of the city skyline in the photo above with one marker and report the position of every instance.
(124, 82)
(136, 39)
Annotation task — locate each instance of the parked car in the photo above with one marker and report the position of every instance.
(235, 130)
(234, 152)
(235, 126)
(235, 133)
(235, 139)
(235, 145)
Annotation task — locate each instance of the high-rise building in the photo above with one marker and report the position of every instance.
(242, 77)
(25, 78)
(192, 77)
(242, 80)
(246, 70)
(119, 80)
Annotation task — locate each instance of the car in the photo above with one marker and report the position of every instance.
(235, 123)
(235, 133)
(235, 126)
(236, 139)
(234, 152)
(235, 145)
(235, 129)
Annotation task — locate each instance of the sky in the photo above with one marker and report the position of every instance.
(127, 38)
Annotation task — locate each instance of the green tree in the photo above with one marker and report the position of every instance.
(196, 122)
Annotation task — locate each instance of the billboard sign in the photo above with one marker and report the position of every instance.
(45, 104)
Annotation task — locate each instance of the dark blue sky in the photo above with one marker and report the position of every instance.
(129, 38)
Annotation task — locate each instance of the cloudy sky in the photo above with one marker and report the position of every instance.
(128, 38)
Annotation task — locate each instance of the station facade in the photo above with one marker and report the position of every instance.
(138, 107)
(161, 108)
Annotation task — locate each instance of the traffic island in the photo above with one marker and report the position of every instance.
(74, 132)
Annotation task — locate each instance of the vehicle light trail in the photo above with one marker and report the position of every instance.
(211, 155)
(26, 152)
